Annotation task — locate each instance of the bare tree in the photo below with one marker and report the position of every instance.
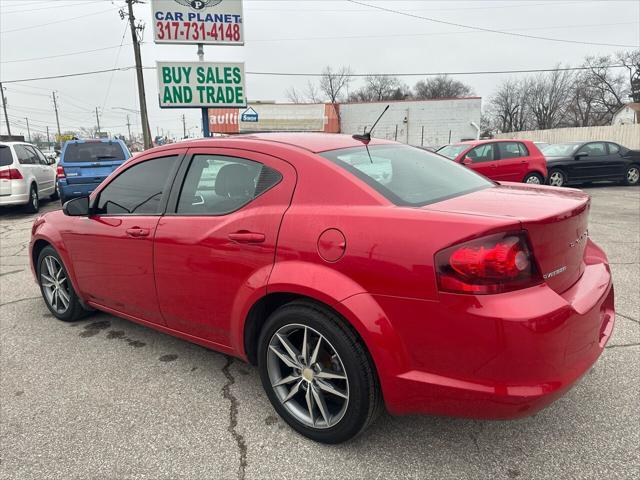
(380, 87)
(631, 60)
(333, 84)
(508, 110)
(610, 89)
(441, 86)
(312, 94)
(548, 95)
(293, 95)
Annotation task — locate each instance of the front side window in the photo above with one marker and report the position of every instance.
(217, 185)
(452, 151)
(138, 190)
(39, 155)
(596, 149)
(510, 150)
(482, 153)
(408, 176)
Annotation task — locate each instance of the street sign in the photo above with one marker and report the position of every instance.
(201, 84)
(211, 22)
(249, 115)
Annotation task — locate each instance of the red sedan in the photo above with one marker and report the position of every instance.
(501, 160)
(354, 276)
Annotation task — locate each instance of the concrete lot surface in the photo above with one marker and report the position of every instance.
(105, 398)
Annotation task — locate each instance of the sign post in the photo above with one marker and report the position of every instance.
(199, 85)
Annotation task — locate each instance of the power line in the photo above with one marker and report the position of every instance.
(22, 10)
(32, 59)
(489, 30)
(30, 27)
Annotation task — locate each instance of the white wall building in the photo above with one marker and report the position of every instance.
(629, 114)
(431, 123)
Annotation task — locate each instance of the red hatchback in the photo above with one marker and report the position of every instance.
(354, 276)
(501, 160)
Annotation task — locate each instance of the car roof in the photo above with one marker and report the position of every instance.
(95, 140)
(490, 140)
(312, 142)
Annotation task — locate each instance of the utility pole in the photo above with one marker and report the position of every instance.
(184, 126)
(55, 107)
(129, 128)
(98, 122)
(28, 129)
(48, 138)
(4, 106)
(146, 133)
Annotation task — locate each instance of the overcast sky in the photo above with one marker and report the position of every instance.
(286, 36)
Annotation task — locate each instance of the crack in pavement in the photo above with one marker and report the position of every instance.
(19, 300)
(624, 345)
(11, 272)
(233, 417)
(627, 318)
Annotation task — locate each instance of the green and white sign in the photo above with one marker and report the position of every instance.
(201, 84)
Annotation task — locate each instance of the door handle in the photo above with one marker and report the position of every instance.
(247, 237)
(137, 232)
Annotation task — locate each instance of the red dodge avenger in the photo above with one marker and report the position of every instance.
(356, 275)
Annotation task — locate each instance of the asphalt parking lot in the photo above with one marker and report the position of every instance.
(106, 398)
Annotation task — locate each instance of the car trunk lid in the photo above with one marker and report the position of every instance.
(89, 172)
(556, 221)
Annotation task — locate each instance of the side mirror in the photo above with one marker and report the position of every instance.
(580, 155)
(78, 207)
(467, 161)
(51, 160)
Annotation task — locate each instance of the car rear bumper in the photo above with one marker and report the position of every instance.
(14, 199)
(499, 356)
(67, 192)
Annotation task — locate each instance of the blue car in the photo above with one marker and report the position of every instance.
(86, 163)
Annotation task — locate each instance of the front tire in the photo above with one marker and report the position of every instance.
(317, 374)
(34, 201)
(56, 288)
(632, 176)
(557, 178)
(533, 179)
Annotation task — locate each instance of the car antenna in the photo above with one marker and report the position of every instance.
(366, 137)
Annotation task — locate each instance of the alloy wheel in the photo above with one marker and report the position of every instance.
(556, 179)
(34, 199)
(55, 284)
(633, 175)
(308, 376)
(533, 179)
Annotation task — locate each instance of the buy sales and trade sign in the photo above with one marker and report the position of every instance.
(201, 84)
(213, 22)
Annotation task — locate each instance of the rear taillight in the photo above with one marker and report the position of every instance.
(494, 264)
(60, 172)
(10, 174)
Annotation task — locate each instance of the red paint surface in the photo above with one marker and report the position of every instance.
(489, 356)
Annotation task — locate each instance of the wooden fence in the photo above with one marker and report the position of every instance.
(626, 135)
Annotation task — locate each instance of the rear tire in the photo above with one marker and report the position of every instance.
(632, 176)
(56, 288)
(341, 364)
(534, 179)
(34, 202)
(557, 178)
(55, 195)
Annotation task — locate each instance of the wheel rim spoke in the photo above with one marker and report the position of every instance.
(293, 391)
(309, 398)
(64, 297)
(291, 350)
(289, 362)
(327, 387)
(322, 406)
(314, 355)
(305, 350)
(330, 375)
(284, 381)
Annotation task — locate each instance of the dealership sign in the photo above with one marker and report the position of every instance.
(213, 22)
(201, 84)
(249, 115)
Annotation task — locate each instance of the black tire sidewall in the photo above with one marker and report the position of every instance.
(30, 207)
(626, 176)
(72, 312)
(356, 416)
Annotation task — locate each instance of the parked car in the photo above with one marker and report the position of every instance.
(405, 281)
(26, 176)
(500, 160)
(580, 162)
(85, 163)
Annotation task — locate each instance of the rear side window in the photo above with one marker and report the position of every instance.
(26, 156)
(613, 148)
(511, 150)
(93, 152)
(408, 176)
(138, 190)
(217, 185)
(5, 156)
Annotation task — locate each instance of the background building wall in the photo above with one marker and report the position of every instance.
(626, 135)
(424, 122)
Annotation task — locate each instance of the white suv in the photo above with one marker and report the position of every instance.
(26, 175)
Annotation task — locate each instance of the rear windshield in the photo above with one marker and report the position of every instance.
(93, 152)
(5, 156)
(406, 175)
(452, 151)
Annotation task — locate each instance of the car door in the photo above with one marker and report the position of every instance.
(47, 178)
(112, 248)
(590, 162)
(215, 247)
(483, 160)
(512, 162)
(616, 164)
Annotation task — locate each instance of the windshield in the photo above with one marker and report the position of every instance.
(560, 149)
(93, 152)
(406, 175)
(452, 151)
